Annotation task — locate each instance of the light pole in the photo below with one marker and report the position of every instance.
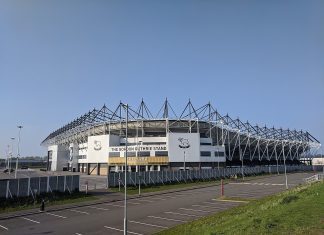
(18, 151)
(240, 152)
(12, 144)
(284, 158)
(222, 123)
(125, 200)
(184, 144)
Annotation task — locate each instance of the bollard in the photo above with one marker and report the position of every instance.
(42, 207)
(86, 188)
(222, 188)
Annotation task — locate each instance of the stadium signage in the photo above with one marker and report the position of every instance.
(139, 148)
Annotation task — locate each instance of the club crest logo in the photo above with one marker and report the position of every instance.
(183, 143)
(97, 145)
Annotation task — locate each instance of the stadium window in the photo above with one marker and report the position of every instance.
(205, 143)
(205, 153)
(143, 154)
(131, 154)
(114, 154)
(154, 143)
(221, 154)
(161, 153)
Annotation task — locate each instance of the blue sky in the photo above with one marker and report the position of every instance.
(260, 60)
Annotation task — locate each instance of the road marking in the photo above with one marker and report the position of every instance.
(98, 208)
(60, 216)
(143, 200)
(34, 221)
(114, 205)
(81, 212)
(163, 218)
(170, 197)
(152, 225)
(4, 227)
(134, 203)
(159, 198)
(228, 200)
(187, 209)
(257, 183)
(211, 207)
(213, 203)
(121, 230)
(175, 213)
(78, 234)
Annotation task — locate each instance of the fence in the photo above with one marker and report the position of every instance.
(162, 177)
(24, 187)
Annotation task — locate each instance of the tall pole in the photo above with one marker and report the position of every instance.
(184, 160)
(240, 152)
(125, 200)
(18, 151)
(12, 144)
(284, 158)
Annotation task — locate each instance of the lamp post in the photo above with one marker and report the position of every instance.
(12, 144)
(18, 151)
(125, 199)
(240, 152)
(184, 144)
(284, 158)
(222, 123)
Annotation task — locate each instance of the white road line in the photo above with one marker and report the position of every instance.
(169, 197)
(134, 203)
(175, 213)
(159, 198)
(211, 207)
(4, 227)
(60, 216)
(114, 205)
(78, 234)
(81, 212)
(121, 230)
(152, 225)
(34, 221)
(98, 208)
(213, 203)
(143, 200)
(187, 209)
(163, 218)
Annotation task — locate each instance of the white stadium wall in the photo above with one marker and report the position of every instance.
(176, 154)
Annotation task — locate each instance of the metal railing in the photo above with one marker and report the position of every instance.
(165, 177)
(24, 187)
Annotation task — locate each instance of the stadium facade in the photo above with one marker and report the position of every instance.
(95, 143)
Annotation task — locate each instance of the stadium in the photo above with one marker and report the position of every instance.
(198, 138)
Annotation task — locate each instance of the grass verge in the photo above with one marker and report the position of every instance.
(297, 211)
(51, 199)
(131, 190)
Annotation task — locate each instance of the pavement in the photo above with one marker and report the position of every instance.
(147, 214)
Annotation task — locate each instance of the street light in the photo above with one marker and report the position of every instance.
(184, 144)
(125, 200)
(240, 152)
(284, 158)
(12, 144)
(18, 151)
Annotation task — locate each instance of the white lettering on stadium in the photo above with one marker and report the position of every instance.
(138, 148)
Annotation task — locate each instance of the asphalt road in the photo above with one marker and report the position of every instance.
(146, 215)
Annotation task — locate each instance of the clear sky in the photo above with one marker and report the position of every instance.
(260, 60)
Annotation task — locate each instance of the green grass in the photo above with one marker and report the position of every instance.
(297, 211)
(156, 188)
(25, 203)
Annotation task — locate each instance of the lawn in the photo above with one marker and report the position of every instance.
(297, 211)
(131, 190)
